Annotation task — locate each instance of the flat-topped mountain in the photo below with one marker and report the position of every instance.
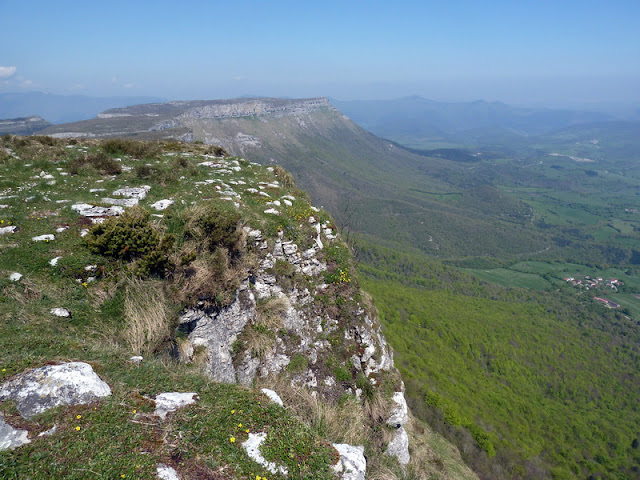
(23, 125)
(370, 185)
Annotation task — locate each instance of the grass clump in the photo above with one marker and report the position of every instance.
(146, 314)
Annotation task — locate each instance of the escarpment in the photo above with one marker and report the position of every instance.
(169, 260)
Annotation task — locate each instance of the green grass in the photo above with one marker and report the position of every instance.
(118, 437)
(512, 278)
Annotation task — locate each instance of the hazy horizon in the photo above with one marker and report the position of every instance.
(524, 53)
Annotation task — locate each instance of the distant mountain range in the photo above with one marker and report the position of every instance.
(62, 108)
(419, 118)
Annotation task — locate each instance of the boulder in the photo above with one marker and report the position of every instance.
(40, 389)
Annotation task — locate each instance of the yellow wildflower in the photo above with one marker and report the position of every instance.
(232, 439)
(78, 417)
(78, 429)
(233, 412)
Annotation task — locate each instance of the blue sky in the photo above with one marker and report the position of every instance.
(517, 51)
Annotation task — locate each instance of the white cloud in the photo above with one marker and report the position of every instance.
(129, 85)
(6, 72)
(239, 78)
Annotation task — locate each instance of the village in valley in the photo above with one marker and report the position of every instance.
(589, 283)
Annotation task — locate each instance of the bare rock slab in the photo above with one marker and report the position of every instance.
(352, 464)
(10, 437)
(172, 401)
(399, 447)
(165, 472)
(273, 396)
(38, 390)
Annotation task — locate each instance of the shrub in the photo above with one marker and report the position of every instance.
(136, 149)
(132, 237)
(100, 161)
(216, 227)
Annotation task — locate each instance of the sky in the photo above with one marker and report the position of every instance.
(541, 52)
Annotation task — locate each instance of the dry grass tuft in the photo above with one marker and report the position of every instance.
(257, 340)
(344, 423)
(271, 313)
(148, 324)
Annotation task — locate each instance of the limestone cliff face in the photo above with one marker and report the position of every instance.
(264, 107)
(307, 328)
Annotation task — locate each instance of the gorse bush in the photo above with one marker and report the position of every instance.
(99, 161)
(215, 227)
(132, 237)
(136, 149)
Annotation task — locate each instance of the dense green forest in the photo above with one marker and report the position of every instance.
(529, 384)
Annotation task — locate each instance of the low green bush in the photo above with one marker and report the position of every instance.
(132, 237)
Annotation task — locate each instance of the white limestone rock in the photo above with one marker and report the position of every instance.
(87, 210)
(252, 447)
(133, 192)
(399, 447)
(165, 472)
(172, 401)
(15, 277)
(352, 464)
(54, 261)
(217, 331)
(9, 229)
(273, 396)
(400, 414)
(60, 312)
(44, 238)
(162, 204)
(40, 389)
(123, 202)
(10, 437)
